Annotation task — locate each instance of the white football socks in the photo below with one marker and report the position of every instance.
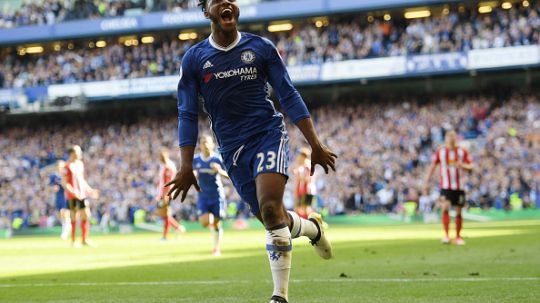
(66, 226)
(218, 235)
(302, 227)
(279, 247)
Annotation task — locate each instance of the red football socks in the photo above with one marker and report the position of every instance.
(84, 229)
(446, 222)
(73, 229)
(165, 227)
(459, 222)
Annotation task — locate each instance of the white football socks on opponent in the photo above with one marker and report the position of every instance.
(279, 247)
(302, 227)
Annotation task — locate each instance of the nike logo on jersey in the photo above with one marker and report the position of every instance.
(208, 64)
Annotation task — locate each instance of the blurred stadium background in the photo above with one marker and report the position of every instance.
(384, 80)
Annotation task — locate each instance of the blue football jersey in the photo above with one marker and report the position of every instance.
(233, 84)
(209, 180)
(56, 180)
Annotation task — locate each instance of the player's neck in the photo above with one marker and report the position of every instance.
(206, 155)
(222, 38)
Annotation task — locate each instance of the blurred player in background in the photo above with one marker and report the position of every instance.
(304, 184)
(167, 170)
(60, 202)
(453, 161)
(208, 169)
(77, 192)
(232, 70)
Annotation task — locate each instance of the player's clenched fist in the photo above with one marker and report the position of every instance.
(181, 183)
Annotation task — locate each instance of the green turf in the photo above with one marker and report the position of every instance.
(500, 263)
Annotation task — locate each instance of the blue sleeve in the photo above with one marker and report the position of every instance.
(279, 78)
(188, 109)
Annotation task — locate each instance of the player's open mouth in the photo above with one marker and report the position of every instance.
(227, 15)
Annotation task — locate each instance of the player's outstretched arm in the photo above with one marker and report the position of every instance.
(218, 169)
(188, 110)
(185, 178)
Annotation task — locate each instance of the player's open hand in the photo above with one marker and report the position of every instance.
(323, 156)
(181, 183)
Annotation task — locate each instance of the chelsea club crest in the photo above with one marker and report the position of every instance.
(247, 57)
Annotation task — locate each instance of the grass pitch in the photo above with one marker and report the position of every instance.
(500, 263)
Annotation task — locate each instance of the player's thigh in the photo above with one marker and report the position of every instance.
(445, 203)
(238, 167)
(72, 206)
(161, 212)
(270, 166)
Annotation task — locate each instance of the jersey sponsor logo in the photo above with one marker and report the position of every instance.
(208, 64)
(247, 57)
(245, 73)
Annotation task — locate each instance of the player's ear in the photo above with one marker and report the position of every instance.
(206, 14)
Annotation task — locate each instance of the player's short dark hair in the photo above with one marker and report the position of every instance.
(71, 150)
(202, 4)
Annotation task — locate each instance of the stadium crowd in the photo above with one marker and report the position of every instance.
(384, 148)
(343, 39)
(48, 12)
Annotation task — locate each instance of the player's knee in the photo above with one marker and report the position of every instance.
(204, 221)
(270, 212)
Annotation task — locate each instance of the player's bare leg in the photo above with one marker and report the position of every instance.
(459, 225)
(445, 208)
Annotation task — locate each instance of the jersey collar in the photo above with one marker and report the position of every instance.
(228, 48)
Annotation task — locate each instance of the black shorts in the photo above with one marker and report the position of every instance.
(456, 197)
(74, 204)
(306, 200)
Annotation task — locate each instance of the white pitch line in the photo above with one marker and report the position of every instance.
(217, 282)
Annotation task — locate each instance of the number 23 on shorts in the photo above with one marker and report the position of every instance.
(267, 161)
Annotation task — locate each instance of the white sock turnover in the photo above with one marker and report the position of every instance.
(302, 227)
